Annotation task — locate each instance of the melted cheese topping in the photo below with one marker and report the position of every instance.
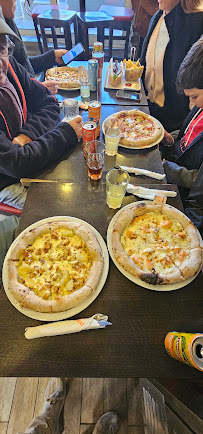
(136, 126)
(57, 263)
(155, 243)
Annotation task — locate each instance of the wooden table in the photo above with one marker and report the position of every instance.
(134, 345)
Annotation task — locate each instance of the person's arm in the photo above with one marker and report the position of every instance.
(179, 175)
(42, 62)
(23, 161)
(194, 202)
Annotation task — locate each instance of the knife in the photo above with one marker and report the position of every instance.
(145, 172)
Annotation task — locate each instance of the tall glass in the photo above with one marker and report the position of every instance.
(70, 108)
(84, 82)
(112, 131)
(95, 159)
(116, 185)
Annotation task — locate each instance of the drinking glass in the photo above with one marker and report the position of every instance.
(112, 131)
(116, 185)
(70, 108)
(95, 159)
(84, 82)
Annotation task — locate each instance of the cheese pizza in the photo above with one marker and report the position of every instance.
(55, 266)
(139, 129)
(156, 243)
(67, 77)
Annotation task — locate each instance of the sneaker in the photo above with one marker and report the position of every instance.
(55, 396)
(108, 423)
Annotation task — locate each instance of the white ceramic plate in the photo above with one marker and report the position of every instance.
(161, 288)
(138, 147)
(43, 316)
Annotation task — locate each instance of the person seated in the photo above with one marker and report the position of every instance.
(35, 64)
(170, 35)
(30, 136)
(183, 163)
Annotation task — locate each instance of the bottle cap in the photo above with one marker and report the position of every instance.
(98, 46)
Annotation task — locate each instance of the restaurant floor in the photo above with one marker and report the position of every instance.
(87, 398)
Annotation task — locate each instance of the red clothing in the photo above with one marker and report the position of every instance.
(195, 128)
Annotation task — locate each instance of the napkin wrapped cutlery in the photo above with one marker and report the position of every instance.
(65, 327)
(149, 193)
(145, 172)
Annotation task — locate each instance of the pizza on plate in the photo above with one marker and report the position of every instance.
(139, 129)
(55, 266)
(156, 243)
(67, 76)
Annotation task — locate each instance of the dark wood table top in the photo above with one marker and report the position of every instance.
(105, 96)
(134, 345)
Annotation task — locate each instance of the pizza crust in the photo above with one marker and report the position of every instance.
(159, 268)
(67, 76)
(149, 137)
(26, 296)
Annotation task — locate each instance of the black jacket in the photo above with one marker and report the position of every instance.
(184, 29)
(186, 170)
(35, 64)
(49, 140)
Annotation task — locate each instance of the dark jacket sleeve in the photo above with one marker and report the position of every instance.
(179, 175)
(23, 161)
(194, 202)
(42, 107)
(43, 61)
(49, 141)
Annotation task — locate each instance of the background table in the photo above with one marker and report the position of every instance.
(134, 345)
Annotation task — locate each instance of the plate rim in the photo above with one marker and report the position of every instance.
(158, 288)
(136, 147)
(56, 316)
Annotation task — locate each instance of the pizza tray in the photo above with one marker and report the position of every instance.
(56, 316)
(138, 147)
(135, 85)
(62, 68)
(161, 288)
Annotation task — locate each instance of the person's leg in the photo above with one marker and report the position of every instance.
(7, 233)
(48, 421)
(14, 195)
(108, 423)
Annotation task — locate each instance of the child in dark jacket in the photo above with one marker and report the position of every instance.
(183, 163)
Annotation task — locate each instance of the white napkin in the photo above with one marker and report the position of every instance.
(65, 327)
(145, 172)
(148, 193)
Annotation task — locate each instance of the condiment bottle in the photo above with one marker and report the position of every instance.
(98, 54)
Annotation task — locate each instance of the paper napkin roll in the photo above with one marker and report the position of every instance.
(145, 172)
(149, 193)
(65, 327)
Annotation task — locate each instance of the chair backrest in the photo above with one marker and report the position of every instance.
(55, 27)
(58, 35)
(7, 209)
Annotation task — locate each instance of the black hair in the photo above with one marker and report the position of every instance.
(190, 74)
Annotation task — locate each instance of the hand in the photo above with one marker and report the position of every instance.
(52, 85)
(76, 124)
(21, 140)
(58, 56)
(168, 140)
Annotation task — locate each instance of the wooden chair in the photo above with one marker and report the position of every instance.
(122, 21)
(54, 20)
(88, 20)
(7, 209)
